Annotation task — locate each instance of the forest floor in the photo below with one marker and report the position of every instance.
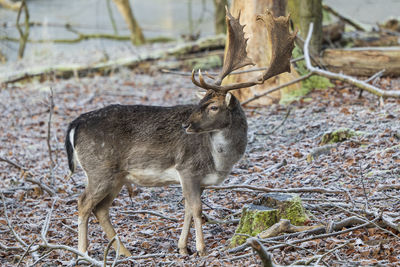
(359, 166)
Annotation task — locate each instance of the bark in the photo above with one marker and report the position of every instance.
(219, 16)
(265, 212)
(259, 50)
(124, 8)
(302, 13)
(363, 61)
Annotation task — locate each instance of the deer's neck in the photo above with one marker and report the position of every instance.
(228, 146)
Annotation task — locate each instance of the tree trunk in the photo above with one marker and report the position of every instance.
(259, 50)
(124, 8)
(302, 13)
(219, 16)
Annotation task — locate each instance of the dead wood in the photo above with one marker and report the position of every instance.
(52, 164)
(27, 173)
(388, 187)
(150, 212)
(319, 232)
(343, 18)
(284, 226)
(67, 70)
(273, 190)
(318, 151)
(265, 257)
(14, 6)
(345, 78)
(364, 61)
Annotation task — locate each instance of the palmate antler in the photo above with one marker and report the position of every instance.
(282, 45)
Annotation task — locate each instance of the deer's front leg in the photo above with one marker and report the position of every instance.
(193, 209)
(182, 243)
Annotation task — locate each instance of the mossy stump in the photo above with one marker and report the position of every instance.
(265, 212)
(339, 135)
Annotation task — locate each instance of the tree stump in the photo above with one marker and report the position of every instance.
(265, 212)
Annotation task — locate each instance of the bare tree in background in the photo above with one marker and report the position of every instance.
(219, 15)
(23, 34)
(125, 9)
(259, 49)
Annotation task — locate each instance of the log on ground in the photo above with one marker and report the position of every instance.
(363, 61)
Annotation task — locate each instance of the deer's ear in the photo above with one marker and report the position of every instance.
(228, 98)
(201, 94)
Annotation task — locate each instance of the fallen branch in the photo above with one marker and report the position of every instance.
(343, 18)
(52, 165)
(257, 96)
(14, 6)
(284, 226)
(132, 61)
(321, 150)
(388, 187)
(115, 238)
(345, 78)
(273, 190)
(319, 232)
(27, 172)
(149, 212)
(17, 237)
(265, 257)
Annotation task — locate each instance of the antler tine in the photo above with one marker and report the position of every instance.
(235, 58)
(282, 42)
(236, 54)
(194, 81)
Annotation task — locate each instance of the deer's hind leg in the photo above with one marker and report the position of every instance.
(94, 193)
(102, 213)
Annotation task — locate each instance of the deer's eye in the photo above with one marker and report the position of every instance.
(214, 108)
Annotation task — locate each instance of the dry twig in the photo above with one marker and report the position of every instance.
(345, 78)
(276, 190)
(150, 212)
(27, 172)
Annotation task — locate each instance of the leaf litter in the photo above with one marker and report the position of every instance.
(276, 157)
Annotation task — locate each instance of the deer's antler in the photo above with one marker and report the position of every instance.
(282, 42)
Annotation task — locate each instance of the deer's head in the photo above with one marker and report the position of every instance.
(214, 112)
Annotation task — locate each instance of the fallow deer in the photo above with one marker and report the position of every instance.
(191, 145)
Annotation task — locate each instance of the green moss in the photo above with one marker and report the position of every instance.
(293, 210)
(255, 219)
(269, 210)
(204, 63)
(314, 82)
(339, 135)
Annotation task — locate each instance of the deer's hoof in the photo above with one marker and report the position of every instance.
(125, 252)
(183, 251)
(202, 253)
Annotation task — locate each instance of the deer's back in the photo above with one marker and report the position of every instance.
(143, 143)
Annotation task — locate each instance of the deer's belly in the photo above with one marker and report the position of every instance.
(153, 177)
(213, 179)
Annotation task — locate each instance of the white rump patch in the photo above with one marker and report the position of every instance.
(71, 137)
